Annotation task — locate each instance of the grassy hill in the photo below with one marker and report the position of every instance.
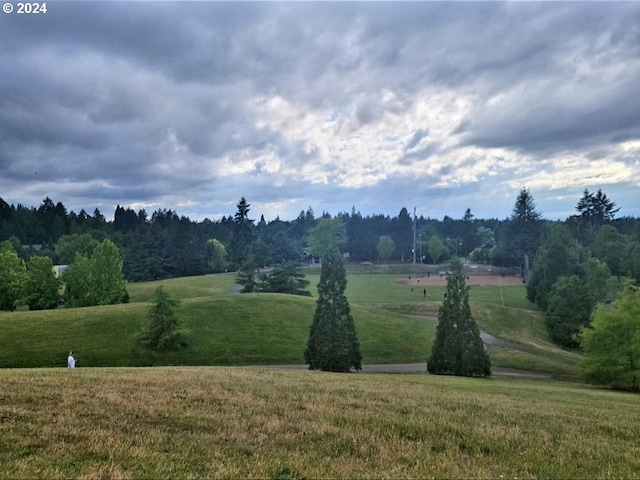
(202, 421)
(220, 422)
(224, 327)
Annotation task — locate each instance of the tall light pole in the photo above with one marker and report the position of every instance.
(414, 235)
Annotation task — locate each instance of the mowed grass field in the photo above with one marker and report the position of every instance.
(192, 417)
(223, 327)
(251, 422)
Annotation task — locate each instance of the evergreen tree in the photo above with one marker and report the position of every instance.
(189, 256)
(247, 275)
(125, 220)
(524, 229)
(570, 304)
(612, 248)
(261, 254)
(468, 233)
(458, 348)
(283, 248)
(243, 233)
(559, 255)
(333, 343)
(52, 220)
(402, 233)
(163, 332)
(69, 245)
(146, 256)
(285, 278)
(595, 210)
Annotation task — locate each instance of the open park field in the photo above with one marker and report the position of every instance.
(222, 327)
(396, 323)
(192, 417)
(480, 280)
(249, 422)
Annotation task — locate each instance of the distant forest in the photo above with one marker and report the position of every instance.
(165, 244)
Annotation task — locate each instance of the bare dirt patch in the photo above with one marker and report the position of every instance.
(435, 279)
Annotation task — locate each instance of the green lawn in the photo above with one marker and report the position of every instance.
(188, 418)
(221, 422)
(224, 327)
(221, 326)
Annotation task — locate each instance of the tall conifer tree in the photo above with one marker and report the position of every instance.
(333, 343)
(458, 349)
(163, 332)
(243, 233)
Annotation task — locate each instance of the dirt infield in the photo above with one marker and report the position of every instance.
(435, 279)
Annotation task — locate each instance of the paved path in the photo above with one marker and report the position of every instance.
(421, 368)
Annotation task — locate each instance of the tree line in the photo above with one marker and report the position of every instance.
(165, 244)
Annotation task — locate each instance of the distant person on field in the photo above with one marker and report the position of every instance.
(71, 362)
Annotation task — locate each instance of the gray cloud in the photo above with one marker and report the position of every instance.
(148, 102)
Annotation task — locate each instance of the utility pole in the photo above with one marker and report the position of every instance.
(414, 235)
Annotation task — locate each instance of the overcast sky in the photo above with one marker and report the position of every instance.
(441, 106)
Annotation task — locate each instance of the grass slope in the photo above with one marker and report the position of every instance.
(504, 312)
(218, 422)
(224, 327)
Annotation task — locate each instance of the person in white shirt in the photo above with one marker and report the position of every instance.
(71, 362)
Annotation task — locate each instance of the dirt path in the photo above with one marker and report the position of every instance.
(472, 279)
(489, 341)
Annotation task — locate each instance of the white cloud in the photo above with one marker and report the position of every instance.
(366, 103)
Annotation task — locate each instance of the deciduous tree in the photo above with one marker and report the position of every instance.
(78, 279)
(97, 280)
(216, 255)
(436, 249)
(69, 245)
(328, 236)
(569, 308)
(41, 287)
(611, 344)
(13, 276)
(386, 246)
